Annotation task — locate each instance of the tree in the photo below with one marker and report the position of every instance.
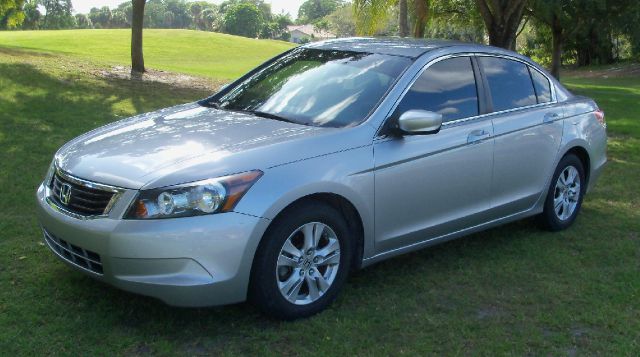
(280, 22)
(312, 10)
(403, 18)
(83, 21)
(127, 10)
(456, 20)
(243, 19)
(32, 15)
(11, 13)
(119, 19)
(342, 22)
(196, 8)
(101, 18)
(371, 14)
(178, 12)
(502, 18)
(58, 14)
(561, 18)
(421, 13)
(582, 31)
(211, 18)
(154, 13)
(137, 58)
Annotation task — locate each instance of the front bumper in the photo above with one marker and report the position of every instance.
(191, 261)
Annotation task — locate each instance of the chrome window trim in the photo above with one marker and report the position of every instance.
(528, 64)
(117, 193)
(483, 116)
(480, 116)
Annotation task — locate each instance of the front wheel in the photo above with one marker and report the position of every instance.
(302, 261)
(565, 195)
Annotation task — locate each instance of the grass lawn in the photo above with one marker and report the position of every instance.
(512, 290)
(209, 54)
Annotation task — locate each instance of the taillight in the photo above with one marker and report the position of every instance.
(600, 117)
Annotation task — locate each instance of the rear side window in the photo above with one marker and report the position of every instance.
(541, 85)
(509, 83)
(447, 87)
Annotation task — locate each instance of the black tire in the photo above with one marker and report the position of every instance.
(263, 289)
(548, 219)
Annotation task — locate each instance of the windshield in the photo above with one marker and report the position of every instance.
(317, 87)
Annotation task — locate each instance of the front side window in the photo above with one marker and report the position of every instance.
(447, 87)
(509, 83)
(541, 85)
(318, 87)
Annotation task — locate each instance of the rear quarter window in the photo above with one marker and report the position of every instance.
(541, 85)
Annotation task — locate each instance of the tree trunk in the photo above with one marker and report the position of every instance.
(422, 11)
(502, 19)
(137, 21)
(402, 20)
(556, 54)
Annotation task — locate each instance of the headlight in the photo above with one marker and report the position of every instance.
(193, 199)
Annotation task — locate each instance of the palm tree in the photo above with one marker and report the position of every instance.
(370, 13)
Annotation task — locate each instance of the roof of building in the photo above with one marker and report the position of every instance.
(310, 30)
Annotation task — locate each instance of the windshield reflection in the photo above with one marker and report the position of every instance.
(318, 87)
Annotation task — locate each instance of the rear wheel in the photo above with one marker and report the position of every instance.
(302, 262)
(565, 195)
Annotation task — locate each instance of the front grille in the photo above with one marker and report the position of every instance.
(75, 255)
(82, 199)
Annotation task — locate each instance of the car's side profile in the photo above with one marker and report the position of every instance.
(329, 157)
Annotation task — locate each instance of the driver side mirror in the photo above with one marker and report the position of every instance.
(419, 122)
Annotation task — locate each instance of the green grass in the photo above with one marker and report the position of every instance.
(513, 290)
(209, 54)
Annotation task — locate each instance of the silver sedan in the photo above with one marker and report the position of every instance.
(331, 156)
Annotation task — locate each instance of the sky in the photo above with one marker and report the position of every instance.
(277, 6)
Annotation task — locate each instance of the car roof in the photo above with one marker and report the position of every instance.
(407, 47)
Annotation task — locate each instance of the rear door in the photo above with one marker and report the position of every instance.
(429, 185)
(528, 129)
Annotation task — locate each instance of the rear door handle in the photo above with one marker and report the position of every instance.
(477, 136)
(550, 117)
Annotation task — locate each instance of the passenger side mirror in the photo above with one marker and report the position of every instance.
(417, 122)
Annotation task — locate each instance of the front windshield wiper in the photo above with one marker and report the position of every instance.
(210, 104)
(270, 116)
(217, 105)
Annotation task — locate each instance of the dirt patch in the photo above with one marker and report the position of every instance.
(622, 70)
(152, 75)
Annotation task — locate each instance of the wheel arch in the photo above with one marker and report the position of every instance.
(581, 152)
(346, 208)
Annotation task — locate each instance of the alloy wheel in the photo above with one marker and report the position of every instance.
(566, 193)
(308, 263)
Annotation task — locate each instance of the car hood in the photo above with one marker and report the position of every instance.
(188, 143)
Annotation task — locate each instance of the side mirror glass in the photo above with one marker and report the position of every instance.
(419, 122)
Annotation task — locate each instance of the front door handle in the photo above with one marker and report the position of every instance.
(550, 117)
(477, 135)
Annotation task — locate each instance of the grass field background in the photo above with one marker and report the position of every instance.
(512, 290)
(208, 54)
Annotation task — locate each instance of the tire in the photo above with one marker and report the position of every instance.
(279, 269)
(563, 201)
